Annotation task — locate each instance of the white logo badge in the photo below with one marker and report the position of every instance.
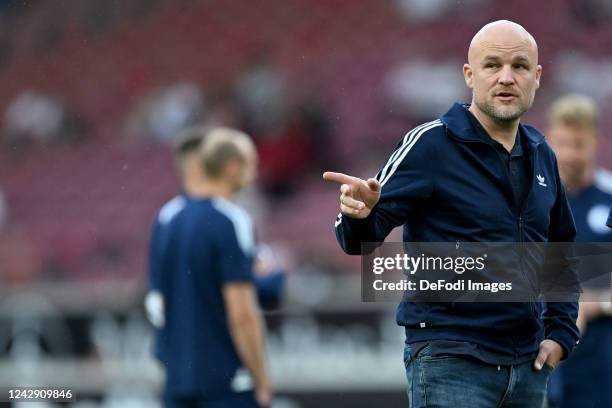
(541, 180)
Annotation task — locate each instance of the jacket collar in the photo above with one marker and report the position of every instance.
(457, 120)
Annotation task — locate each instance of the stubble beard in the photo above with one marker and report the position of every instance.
(500, 116)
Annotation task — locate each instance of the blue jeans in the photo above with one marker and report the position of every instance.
(457, 382)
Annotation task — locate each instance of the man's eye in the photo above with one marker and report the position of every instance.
(520, 66)
(490, 65)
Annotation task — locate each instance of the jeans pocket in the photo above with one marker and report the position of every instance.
(407, 355)
(427, 354)
(425, 351)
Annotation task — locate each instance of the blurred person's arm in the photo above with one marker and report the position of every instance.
(154, 307)
(269, 278)
(3, 210)
(594, 305)
(247, 331)
(270, 289)
(235, 241)
(598, 303)
(154, 300)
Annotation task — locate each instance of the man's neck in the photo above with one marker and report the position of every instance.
(207, 188)
(503, 132)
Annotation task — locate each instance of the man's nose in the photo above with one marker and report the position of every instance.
(506, 76)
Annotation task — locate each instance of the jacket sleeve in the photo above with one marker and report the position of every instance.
(270, 289)
(406, 180)
(154, 258)
(560, 317)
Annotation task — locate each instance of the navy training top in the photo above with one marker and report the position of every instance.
(206, 244)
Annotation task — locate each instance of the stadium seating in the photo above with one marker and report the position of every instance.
(95, 200)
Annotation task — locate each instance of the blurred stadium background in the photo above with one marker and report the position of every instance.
(91, 94)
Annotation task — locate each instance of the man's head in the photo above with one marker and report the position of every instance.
(572, 134)
(228, 156)
(503, 70)
(186, 154)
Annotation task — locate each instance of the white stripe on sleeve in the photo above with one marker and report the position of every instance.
(170, 209)
(405, 149)
(338, 220)
(243, 226)
(407, 139)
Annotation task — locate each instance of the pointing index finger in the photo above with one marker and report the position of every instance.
(340, 178)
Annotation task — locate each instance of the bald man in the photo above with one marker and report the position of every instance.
(474, 175)
(212, 334)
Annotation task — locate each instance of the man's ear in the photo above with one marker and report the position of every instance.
(233, 169)
(538, 76)
(467, 75)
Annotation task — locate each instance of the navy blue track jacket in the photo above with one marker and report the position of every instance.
(445, 183)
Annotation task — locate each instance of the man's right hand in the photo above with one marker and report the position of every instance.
(263, 396)
(357, 196)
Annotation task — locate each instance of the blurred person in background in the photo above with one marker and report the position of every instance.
(291, 128)
(287, 156)
(261, 95)
(19, 261)
(585, 379)
(4, 212)
(37, 118)
(201, 263)
(471, 176)
(166, 111)
(269, 275)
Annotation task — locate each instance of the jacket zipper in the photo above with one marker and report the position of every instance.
(518, 211)
(520, 221)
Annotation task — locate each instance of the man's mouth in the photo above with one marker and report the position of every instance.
(505, 96)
